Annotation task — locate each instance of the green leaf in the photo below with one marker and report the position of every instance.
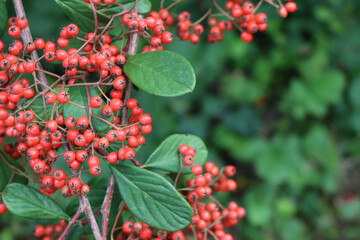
(3, 17)
(5, 174)
(151, 198)
(5, 170)
(259, 204)
(162, 73)
(281, 160)
(143, 6)
(78, 96)
(166, 157)
(27, 202)
(76, 232)
(81, 14)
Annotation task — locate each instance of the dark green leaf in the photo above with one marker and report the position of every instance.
(78, 96)
(3, 17)
(27, 202)
(76, 232)
(81, 14)
(166, 157)
(151, 198)
(162, 73)
(143, 6)
(5, 174)
(5, 170)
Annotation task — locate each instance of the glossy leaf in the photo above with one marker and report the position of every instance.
(78, 96)
(76, 232)
(81, 14)
(27, 202)
(162, 73)
(151, 198)
(5, 170)
(143, 6)
(3, 17)
(167, 158)
(5, 174)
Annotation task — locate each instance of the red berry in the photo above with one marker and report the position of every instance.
(290, 7)
(63, 97)
(3, 208)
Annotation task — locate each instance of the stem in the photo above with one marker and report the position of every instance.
(15, 170)
(179, 173)
(133, 40)
(173, 4)
(27, 38)
(258, 5)
(71, 222)
(105, 208)
(222, 11)
(203, 17)
(90, 215)
(121, 206)
(84, 202)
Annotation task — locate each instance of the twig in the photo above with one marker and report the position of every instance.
(133, 40)
(71, 222)
(121, 207)
(27, 38)
(84, 202)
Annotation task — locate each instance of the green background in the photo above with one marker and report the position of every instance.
(285, 109)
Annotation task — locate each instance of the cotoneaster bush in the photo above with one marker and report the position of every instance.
(61, 135)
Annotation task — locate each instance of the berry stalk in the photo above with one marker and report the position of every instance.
(133, 40)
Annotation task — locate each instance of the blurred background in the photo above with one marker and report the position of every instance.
(285, 109)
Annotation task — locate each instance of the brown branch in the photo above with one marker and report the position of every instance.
(84, 202)
(71, 222)
(121, 207)
(27, 38)
(133, 40)
(86, 221)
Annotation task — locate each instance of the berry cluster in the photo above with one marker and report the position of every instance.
(37, 139)
(240, 14)
(187, 154)
(48, 232)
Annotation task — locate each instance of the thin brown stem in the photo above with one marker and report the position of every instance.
(133, 41)
(121, 207)
(84, 202)
(71, 222)
(27, 38)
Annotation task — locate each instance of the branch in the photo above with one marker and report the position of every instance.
(84, 202)
(71, 222)
(27, 38)
(133, 40)
(121, 207)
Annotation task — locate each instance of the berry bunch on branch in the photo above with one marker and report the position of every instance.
(61, 131)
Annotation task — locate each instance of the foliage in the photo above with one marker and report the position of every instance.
(285, 109)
